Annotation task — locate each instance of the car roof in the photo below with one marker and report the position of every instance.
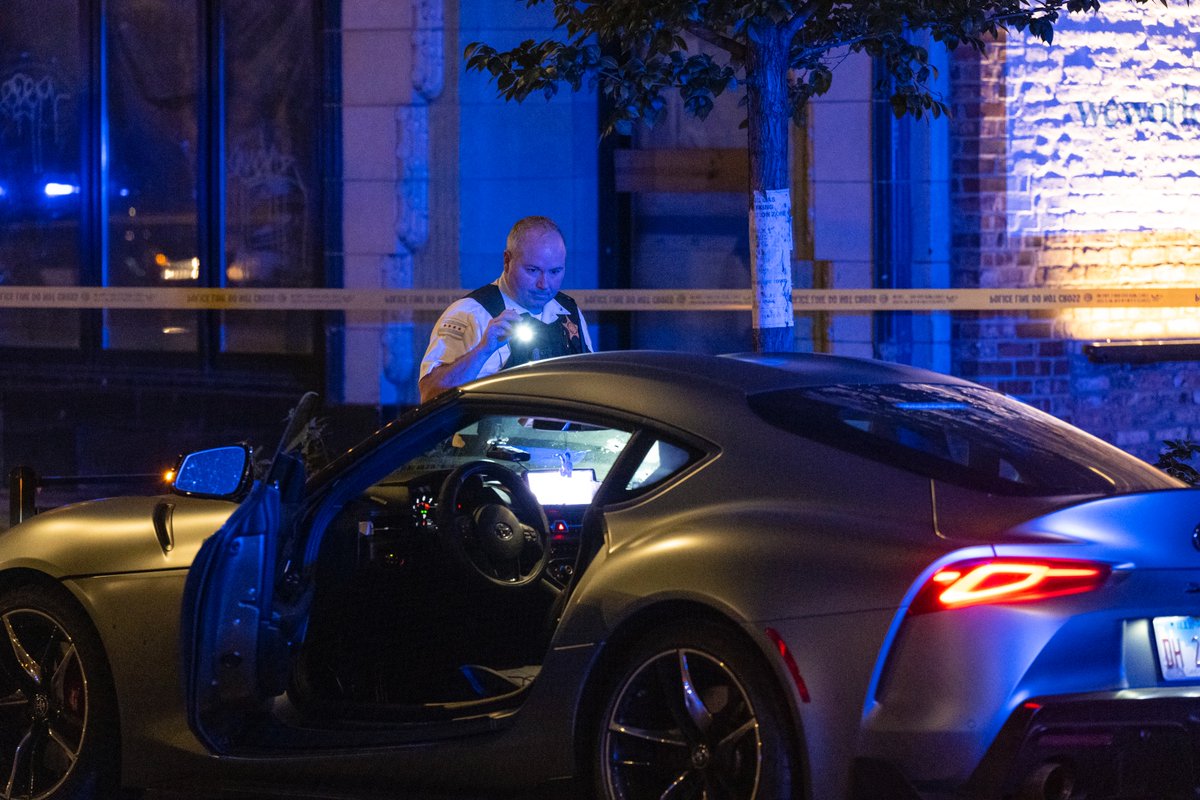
(748, 372)
(694, 392)
(681, 387)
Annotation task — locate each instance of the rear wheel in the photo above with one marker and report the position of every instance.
(694, 713)
(57, 707)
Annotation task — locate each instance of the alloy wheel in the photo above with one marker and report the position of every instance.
(43, 705)
(681, 726)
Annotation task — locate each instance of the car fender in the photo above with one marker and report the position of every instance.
(824, 582)
(106, 554)
(758, 563)
(113, 535)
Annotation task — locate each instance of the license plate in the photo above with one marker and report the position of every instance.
(1178, 641)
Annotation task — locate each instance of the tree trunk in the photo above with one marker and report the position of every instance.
(770, 188)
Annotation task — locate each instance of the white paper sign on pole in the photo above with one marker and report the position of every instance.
(771, 246)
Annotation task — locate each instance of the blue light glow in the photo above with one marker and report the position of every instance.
(53, 189)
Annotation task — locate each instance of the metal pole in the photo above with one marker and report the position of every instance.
(22, 494)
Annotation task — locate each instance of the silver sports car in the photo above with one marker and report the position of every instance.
(631, 576)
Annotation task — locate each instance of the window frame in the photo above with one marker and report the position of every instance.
(207, 364)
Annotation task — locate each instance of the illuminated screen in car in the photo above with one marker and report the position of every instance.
(553, 488)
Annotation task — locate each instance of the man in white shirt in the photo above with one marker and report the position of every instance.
(520, 317)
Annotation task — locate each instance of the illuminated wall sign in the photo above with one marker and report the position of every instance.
(1103, 159)
(1116, 113)
(1104, 125)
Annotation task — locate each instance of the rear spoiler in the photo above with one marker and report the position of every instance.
(24, 483)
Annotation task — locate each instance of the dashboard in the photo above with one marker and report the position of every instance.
(397, 531)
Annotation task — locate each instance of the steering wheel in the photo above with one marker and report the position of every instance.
(505, 544)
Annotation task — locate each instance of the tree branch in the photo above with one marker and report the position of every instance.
(822, 48)
(803, 15)
(729, 45)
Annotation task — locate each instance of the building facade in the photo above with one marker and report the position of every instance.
(339, 143)
(1075, 166)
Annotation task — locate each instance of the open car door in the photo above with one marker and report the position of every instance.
(238, 630)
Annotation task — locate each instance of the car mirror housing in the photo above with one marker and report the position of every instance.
(219, 472)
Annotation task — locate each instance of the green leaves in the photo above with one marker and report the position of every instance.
(636, 51)
(534, 66)
(1042, 28)
(1174, 457)
(820, 78)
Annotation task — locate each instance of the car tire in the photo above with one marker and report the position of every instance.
(58, 729)
(693, 711)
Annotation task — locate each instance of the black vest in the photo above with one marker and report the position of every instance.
(562, 337)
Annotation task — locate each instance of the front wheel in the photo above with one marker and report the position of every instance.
(57, 711)
(693, 712)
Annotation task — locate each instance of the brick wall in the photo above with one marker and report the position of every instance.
(1021, 354)
(1047, 191)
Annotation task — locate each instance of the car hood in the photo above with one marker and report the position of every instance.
(113, 535)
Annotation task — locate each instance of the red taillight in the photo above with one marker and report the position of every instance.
(1006, 580)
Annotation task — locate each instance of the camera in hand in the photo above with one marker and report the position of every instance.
(527, 340)
(522, 331)
(530, 339)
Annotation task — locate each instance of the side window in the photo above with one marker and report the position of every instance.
(662, 460)
(965, 435)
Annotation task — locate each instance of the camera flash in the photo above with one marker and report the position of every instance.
(523, 333)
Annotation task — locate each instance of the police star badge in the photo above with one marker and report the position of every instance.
(571, 328)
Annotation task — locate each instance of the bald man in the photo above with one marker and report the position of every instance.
(521, 316)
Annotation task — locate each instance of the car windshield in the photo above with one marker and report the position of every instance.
(563, 461)
(966, 435)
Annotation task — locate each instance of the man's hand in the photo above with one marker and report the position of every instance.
(466, 367)
(499, 330)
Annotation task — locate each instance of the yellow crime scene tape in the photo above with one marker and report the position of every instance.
(840, 300)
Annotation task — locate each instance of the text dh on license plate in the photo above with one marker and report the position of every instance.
(1178, 642)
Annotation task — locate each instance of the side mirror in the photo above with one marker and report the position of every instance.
(221, 472)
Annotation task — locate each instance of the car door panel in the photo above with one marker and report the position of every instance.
(226, 618)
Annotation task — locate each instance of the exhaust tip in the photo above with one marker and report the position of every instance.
(1050, 781)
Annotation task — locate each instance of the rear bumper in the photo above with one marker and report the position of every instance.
(1128, 744)
(1123, 744)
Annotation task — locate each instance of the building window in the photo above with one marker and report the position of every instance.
(152, 144)
(42, 89)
